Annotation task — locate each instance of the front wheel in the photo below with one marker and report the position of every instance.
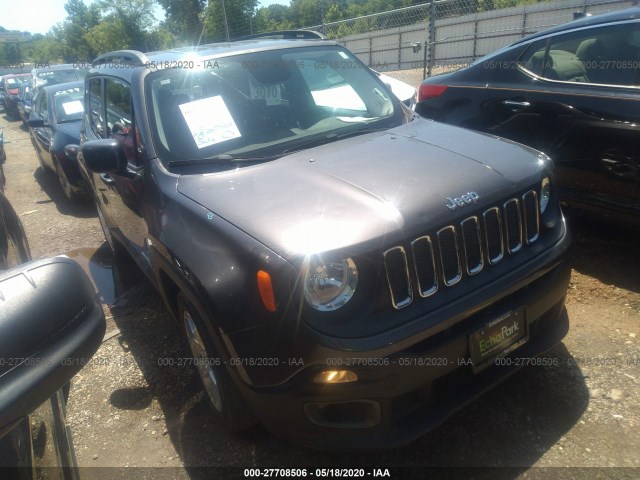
(64, 183)
(222, 394)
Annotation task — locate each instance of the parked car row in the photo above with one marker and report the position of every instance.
(572, 92)
(11, 89)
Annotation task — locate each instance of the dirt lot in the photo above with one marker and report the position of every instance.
(128, 411)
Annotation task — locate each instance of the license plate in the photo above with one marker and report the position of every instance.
(497, 338)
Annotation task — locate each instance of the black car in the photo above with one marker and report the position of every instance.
(573, 92)
(55, 130)
(23, 104)
(44, 342)
(346, 272)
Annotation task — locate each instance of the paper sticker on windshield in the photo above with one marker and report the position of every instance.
(209, 121)
(72, 107)
(272, 94)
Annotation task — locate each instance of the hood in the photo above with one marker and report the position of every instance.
(365, 192)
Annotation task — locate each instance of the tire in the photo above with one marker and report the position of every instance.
(64, 183)
(43, 167)
(222, 394)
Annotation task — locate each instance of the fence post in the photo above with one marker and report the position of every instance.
(400, 50)
(432, 37)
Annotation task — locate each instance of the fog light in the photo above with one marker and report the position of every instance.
(336, 376)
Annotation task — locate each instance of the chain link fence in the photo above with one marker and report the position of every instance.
(415, 42)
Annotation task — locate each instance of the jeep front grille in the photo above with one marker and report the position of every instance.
(460, 250)
(398, 277)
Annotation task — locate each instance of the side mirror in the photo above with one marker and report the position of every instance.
(104, 156)
(44, 342)
(35, 122)
(71, 151)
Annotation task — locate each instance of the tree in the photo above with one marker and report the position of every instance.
(184, 18)
(274, 17)
(239, 19)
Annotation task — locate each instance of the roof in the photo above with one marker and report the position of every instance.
(51, 89)
(14, 75)
(58, 67)
(197, 54)
(610, 17)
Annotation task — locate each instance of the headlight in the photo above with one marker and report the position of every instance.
(329, 285)
(545, 194)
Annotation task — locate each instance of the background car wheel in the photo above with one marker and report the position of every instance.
(43, 167)
(227, 402)
(64, 183)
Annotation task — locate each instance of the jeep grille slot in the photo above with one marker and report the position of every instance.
(493, 235)
(531, 216)
(449, 255)
(397, 268)
(456, 252)
(513, 221)
(425, 265)
(472, 245)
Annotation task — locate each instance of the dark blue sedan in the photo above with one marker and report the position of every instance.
(55, 123)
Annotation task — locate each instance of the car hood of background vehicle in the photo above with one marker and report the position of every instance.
(367, 191)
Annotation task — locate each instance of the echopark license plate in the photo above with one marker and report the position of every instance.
(497, 338)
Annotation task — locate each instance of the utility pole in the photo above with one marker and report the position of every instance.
(226, 24)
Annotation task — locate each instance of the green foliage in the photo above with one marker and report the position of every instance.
(238, 15)
(105, 25)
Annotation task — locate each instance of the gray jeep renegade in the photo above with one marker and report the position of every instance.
(347, 273)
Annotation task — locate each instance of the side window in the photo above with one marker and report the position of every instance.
(96, 107)
(120, 118)
(607, 55)
(42, 107)
(533, 58)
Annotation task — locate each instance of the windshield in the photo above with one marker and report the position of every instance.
(266, 103)
(68, 105)
(57, 76)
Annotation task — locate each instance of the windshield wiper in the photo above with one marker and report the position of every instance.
(220, 158)
(330, 137)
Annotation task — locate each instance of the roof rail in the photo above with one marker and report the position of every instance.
(132, 57)
(285, 35)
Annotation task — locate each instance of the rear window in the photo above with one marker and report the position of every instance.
(68, 105)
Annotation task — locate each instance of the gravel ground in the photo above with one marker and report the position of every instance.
(127, 410)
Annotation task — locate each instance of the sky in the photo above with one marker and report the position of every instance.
(44, 14)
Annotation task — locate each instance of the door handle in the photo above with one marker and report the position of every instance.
(106, 178)
(516, 105)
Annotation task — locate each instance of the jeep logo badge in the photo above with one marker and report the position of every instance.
(462, 200)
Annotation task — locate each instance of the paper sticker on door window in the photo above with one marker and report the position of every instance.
(272, 94)
(72, 107)
(209, 121)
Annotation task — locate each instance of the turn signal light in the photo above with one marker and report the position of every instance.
(336, 376)
(266, 290)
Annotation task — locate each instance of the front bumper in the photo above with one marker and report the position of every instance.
(414, 387)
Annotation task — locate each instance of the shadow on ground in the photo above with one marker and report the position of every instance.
(48, 181)
(605, 250)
